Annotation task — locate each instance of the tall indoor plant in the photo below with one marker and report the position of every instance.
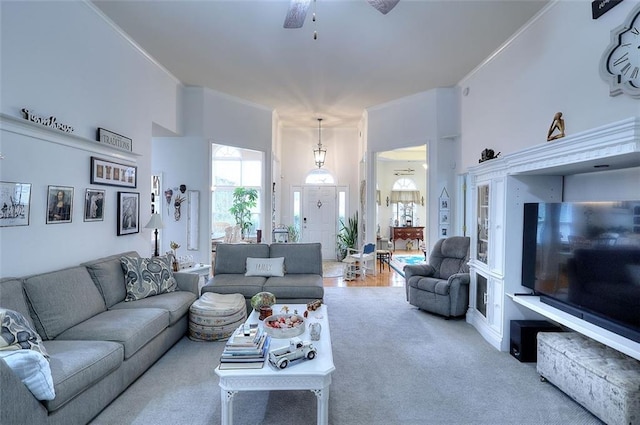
(244, 200)
(348, 236)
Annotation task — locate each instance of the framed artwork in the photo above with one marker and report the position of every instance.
(444, 217)
(113, 174)
(128, 213)
(444, 231)
(59, 204)
(94, 205)
(15, 201)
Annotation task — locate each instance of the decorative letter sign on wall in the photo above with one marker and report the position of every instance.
(620, 63)
(51, 122)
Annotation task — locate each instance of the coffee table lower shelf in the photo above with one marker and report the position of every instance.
(319, 385)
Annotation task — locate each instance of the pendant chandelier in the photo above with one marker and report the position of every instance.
(319, 154)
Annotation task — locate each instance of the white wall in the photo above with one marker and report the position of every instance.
(429, 118)
(62, 59)
(210, 117)
(552, 66)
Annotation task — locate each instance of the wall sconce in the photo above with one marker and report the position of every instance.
(387, 201)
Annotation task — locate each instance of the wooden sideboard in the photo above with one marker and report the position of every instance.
(406, 233)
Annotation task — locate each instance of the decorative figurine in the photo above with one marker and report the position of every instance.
(488, 154)
(556, 125)
(297, 349)
(177, 203)
(168, 194)
(284, 309)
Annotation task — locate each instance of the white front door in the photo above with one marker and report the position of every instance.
(319, 218)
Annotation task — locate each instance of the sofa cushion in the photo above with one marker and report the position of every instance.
(299, 258)
(232, 258)
(16, 333)
(177, 303)
(12, 297)
(145, 277)
(62, 299)
(265, 267)
(235, 284)
(295, 286)
(132, 328)
(78, 365)
(33, 370)
(108, 276)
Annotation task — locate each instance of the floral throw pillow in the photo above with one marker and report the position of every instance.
(17, 334)
(145, 277)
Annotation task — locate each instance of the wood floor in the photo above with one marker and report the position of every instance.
(388, 277)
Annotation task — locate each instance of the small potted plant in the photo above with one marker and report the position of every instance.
(174, 248)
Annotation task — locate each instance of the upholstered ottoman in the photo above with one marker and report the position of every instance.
(214, 317)
(603, 380)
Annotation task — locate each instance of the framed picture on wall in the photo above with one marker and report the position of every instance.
(15, 199)
(444, 231)
(113, 173)
(94, 205)
(444, 217)
(59, 204)
(128, 213)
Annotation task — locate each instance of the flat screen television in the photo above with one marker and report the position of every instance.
(584, 258)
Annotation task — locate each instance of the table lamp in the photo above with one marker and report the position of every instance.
(155, 223)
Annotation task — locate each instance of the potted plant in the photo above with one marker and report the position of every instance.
(243, 201)
(294, 233)
(348, 236)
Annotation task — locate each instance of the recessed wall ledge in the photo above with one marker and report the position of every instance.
(23, 127)
(616, 144)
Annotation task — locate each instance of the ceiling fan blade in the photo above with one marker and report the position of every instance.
(383, 6)
(296, 14)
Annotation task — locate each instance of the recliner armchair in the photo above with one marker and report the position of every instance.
(442, 285)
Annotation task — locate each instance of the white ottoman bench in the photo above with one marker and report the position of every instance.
(214, 317)
(603, 380)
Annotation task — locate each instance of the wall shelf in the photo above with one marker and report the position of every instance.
(27, 128)
(613, 340)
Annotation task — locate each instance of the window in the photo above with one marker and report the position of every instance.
(231, 168)
(319, 176)
(404, 199)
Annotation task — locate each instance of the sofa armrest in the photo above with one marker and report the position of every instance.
(17, 403)
(188, 282)
(418, 270)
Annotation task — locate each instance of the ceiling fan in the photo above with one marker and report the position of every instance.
(298, 10)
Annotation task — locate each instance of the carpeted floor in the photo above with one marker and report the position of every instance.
(394, 365)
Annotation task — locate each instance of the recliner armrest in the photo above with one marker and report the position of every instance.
(460, 279)
(418, 270)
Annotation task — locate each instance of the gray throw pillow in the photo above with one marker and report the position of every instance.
(16, 333)
(145, 277)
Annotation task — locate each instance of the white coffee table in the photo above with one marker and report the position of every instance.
(313, 375)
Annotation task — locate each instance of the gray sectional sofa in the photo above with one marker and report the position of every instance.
(301, 282)
(98, 344)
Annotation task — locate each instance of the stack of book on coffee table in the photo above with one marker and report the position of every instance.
(247, 348)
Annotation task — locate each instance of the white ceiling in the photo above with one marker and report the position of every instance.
(360, 59)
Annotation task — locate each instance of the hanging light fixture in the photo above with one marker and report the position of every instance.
(319, 154)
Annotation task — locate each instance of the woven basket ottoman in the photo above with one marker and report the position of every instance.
(214, 317)
(605, 381)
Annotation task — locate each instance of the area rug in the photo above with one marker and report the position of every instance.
(394, 364)
(399, 261)
(332, 268)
